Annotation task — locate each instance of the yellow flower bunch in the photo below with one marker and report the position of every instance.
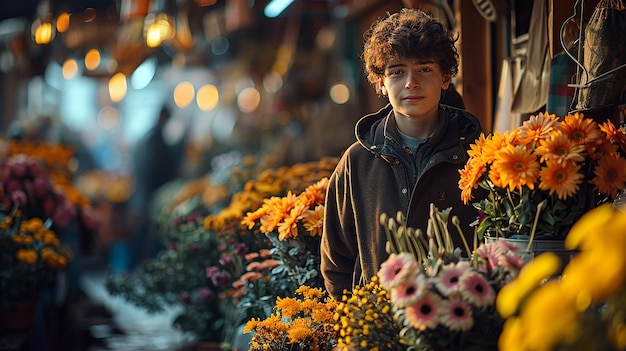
(298, 324)
(542, 176)
(584, 308)
(31, 255)
(364, 320)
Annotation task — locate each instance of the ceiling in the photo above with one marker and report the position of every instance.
(27, 8)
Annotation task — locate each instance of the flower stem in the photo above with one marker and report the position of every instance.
(540, 207)
(457, 224)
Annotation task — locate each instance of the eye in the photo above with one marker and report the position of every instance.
(426, 69)
(394, 72)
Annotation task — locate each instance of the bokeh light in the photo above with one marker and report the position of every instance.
(117, 87)
(339, 93)
(183, 94)
(248, 99)
(207, 97)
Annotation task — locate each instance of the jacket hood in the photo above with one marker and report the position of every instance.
(377, 130)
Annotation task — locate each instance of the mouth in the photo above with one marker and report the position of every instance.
(413, 98)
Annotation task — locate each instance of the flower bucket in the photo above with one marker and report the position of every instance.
(19, 316)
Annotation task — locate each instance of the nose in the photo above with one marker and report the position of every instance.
(411, 82)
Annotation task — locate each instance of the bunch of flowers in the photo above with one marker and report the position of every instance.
(60, 164)
(440, 300)
(26, 184)
(300, 323)
(268, 183)
(177, 277)
(585, 307)
(294, 224)
(217, 269)
(31, 255)
(364, 320)
(544, 175)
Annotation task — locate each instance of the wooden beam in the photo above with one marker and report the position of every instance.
(475, 77)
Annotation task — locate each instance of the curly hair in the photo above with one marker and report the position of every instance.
(410, 33)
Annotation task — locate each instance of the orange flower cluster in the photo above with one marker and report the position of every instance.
(285, 214)
(304, 323)
(568, 165)
(270, 182)
(31, 254)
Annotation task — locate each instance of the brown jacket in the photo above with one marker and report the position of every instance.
(375, 175)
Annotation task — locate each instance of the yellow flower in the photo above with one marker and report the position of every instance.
(300, 329)
(511, 295)
(581, 237)
(289, 306)
(251, 325)
(581, 274)
(548, 317)
(32, 225)
(512, 335)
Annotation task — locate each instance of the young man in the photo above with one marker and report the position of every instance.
(406, 156)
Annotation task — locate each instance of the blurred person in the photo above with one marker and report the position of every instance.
(155, 162)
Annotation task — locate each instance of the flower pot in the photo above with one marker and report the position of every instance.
(20, 316)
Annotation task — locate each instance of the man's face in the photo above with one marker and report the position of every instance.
(414, 87)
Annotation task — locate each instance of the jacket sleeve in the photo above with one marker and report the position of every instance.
(338, 246)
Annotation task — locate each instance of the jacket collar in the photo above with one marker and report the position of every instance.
(378, 131)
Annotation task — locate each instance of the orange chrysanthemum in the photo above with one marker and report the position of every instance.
(313, 220)
(610, 175)
(544, 159)
(559, 148)
(288, 228)
(470, 175)
(515, 167)
(476, 149)
(582, 130)
(614, 135)
(495, 143)
(537, 128)
(561, 178)
(317, 191)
